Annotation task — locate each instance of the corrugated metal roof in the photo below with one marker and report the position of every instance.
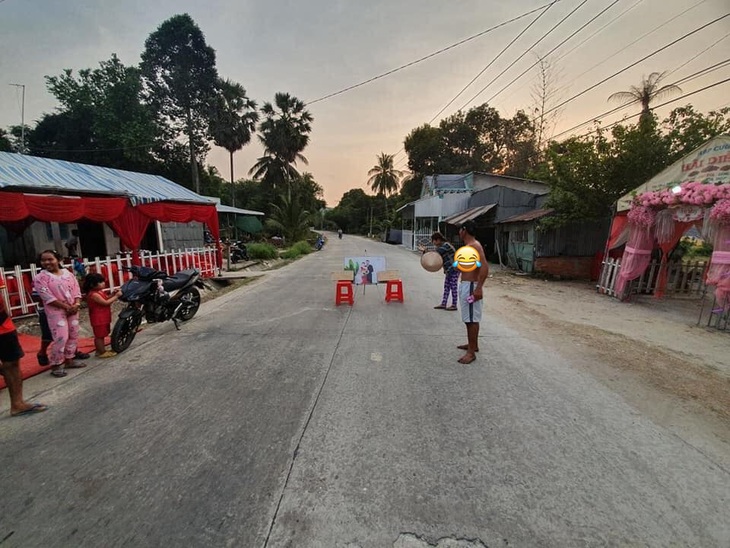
(228, 209)
(468, 215)
(529, 216)
(31, 173)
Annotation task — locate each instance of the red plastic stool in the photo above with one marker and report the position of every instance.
(344, 293)
(394, 291)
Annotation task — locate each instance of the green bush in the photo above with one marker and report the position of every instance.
(299, 248)
(262, 251)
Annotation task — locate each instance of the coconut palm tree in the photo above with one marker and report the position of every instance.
(384, 178)
(284, 133)
(289, 217)
(233, 121)
(646, 93)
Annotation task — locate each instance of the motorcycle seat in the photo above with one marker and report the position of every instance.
(179, 279)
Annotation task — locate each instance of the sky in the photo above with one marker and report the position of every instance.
(312, 48)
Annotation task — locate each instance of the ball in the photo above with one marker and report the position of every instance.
(432, 261)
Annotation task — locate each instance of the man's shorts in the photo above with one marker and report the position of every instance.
(45, 330)
(10, 349)
(470, 312)
(101, 331)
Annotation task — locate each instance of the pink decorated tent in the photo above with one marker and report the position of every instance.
(695, 191)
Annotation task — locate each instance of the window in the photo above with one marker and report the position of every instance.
(63, 228)
(518, 235)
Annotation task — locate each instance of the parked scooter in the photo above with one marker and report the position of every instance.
(320, 243)
(153, 295)
(238, 252)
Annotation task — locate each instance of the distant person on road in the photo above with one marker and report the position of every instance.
(339, 233)
(100, 312)
(451, 274)
(72, 244)
(10, 354)
(471, 295)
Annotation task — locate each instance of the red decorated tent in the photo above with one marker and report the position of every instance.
(42, 189)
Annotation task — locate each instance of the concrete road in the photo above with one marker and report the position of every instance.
(275, 419)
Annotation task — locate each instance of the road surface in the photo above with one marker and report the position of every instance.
(275, 419)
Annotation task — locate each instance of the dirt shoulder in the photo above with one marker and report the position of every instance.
(650, 352)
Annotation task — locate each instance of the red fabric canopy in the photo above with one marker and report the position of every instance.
(61, 209)
(130, 223)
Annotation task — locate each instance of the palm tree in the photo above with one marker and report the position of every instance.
(384, 177)
(289, 217)
(284, 133)
(233, 121)
(646, 93)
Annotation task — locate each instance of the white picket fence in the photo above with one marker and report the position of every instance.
(682, 278)
(18, 282)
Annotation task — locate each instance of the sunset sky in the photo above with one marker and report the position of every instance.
(311, 48)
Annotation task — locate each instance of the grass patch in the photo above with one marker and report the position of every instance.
(297, 250)
(262, 252)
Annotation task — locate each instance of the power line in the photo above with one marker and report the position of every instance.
(637, 62)
(708, 48)
(619, 16)
(429, 56)
(526, 52)
(634, 42)
(486, 67)
(697, 74)
(552, 50)
(493, 61)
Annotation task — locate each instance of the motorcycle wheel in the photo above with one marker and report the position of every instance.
(124, 332)
(191, 302)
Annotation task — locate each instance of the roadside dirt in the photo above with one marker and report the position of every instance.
(652, 353)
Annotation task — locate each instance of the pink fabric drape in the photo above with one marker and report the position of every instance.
(666, 247)
(718, 274)
(636, 257)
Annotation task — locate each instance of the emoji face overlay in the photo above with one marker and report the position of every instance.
(466, 259)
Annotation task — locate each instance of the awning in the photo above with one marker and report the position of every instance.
(526, 217)
(468, 215)
(249, 224)
(236, 210)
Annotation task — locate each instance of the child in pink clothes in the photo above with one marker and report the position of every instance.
(100, 312)
(61, 296)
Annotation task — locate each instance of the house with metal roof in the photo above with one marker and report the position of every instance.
(44, 200)
(571, 251)
(450, 200)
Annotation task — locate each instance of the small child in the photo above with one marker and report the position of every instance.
(100, 312)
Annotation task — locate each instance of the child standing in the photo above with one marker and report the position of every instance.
(100, 312)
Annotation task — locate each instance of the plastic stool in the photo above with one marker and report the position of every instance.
(344, 293)
(394, 291)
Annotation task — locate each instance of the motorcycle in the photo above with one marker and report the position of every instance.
(320, 243)
(153, 295)
(238, 252)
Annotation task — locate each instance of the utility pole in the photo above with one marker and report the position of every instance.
(22, 119)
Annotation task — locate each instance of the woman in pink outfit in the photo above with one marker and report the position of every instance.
(61, 296)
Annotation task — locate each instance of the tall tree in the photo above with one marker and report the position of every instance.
(101, 119)
(384, 178)
(180, 74)
(284, 133)
(5, 144)
(233, 120)
(644, 94)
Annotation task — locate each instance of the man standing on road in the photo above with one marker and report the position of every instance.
(470, 293)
